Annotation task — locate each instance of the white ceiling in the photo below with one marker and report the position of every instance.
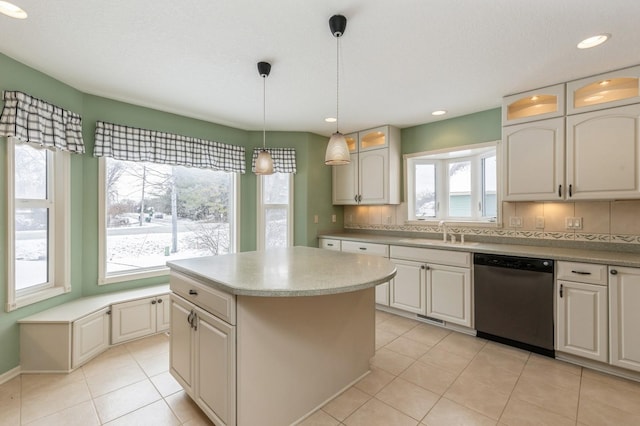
(400, 60)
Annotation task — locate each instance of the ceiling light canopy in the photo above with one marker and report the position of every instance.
(439, 112)
(337, 150)
(264, 162)
(12, 10)
(594, 41)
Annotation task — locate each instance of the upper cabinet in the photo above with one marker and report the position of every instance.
(373, 176)
(607, 90)
(592, 153)
(539, 104)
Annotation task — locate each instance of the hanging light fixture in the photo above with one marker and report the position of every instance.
(337, 149)
(264, 162)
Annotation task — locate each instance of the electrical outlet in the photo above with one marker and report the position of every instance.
(573, 222)
(315, 218)
(515, 221)
(350, 218)
(388, 220)
(333, 218)
(540, 222)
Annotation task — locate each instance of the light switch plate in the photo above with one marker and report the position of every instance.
(315, 218)
(333, 218)
(540, 222)
(515, 221)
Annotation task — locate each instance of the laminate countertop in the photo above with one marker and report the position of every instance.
(606, 257)
(287, 272)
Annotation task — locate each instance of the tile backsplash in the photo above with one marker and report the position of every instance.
(601, 221)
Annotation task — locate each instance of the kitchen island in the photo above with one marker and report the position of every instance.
(268, 337)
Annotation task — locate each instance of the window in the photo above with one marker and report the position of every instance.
(38, 216)
(154, 213)
(456, 184)
(275, 217)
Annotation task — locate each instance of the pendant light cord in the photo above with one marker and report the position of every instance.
(337, 84)
(264, 112)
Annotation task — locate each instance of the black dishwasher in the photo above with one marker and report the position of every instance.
(513, 301)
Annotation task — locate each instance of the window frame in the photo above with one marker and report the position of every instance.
(262, 207)
(157, 271)
(441, 159)
(58, 235)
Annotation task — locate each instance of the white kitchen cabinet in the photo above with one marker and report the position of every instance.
(203, 359)
(138, 318)
(373, 176)
(624, 317)
(608, 90)
(90, 336)
(538, 104)
(433, 282)
(449, 294)
(382, 290)
(534, 160)
(407, 289)
(581, 327)
(603, 154)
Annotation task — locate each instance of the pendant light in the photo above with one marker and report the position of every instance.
(337, 149)
(264, 162)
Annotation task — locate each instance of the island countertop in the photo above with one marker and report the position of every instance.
(288, 272)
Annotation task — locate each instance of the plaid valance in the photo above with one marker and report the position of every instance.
(284, 159)
(132, 144)
(35, 121)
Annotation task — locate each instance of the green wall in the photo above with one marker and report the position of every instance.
(484, 126)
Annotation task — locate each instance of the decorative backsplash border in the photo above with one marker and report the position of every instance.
(501, 232)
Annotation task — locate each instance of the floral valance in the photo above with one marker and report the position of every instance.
(284, 159)
(33, 120)
(133, 144)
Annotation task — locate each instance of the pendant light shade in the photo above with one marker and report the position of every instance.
(264, 162)
(337, 150)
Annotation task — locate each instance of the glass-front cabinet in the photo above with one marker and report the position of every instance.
(534, 105)
(602, 91)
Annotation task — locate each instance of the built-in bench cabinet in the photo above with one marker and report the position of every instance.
(588, 152)
(63, 338)
(139, 318)
(597, 313)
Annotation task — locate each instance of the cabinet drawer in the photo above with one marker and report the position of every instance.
(582, 272)
(216, 302)
(330, 244)
(366, 248)
(442, 257)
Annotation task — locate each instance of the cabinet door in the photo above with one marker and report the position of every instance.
(533, 156)
(624, 299)
(131, 320)
(539, 104)
(345, 182)
(407, 291)
(181, 364)
(582, 320)
(449, 294)
(603, 154)
(608, 90)
(382, 294)
(373, 138)
(90, 336)
(163, 313)
(216, 368)
(374, 177)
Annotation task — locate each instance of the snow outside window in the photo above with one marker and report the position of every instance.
(38, 223)
(154, 213)
(275, 210)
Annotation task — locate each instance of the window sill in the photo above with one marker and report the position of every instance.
(30, 299)
(130, 276)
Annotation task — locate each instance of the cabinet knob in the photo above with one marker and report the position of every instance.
(159, 300)
(153, 302)
(193, 292)
(614, 272)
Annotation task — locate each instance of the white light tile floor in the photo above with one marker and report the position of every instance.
(422, 375)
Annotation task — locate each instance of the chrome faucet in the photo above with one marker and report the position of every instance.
(443, 225)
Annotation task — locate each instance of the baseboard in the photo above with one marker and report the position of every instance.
(11, 374)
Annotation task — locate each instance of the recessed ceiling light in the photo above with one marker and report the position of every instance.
(330, 119)
(12, 10)
(594, 41)
(439, 112)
